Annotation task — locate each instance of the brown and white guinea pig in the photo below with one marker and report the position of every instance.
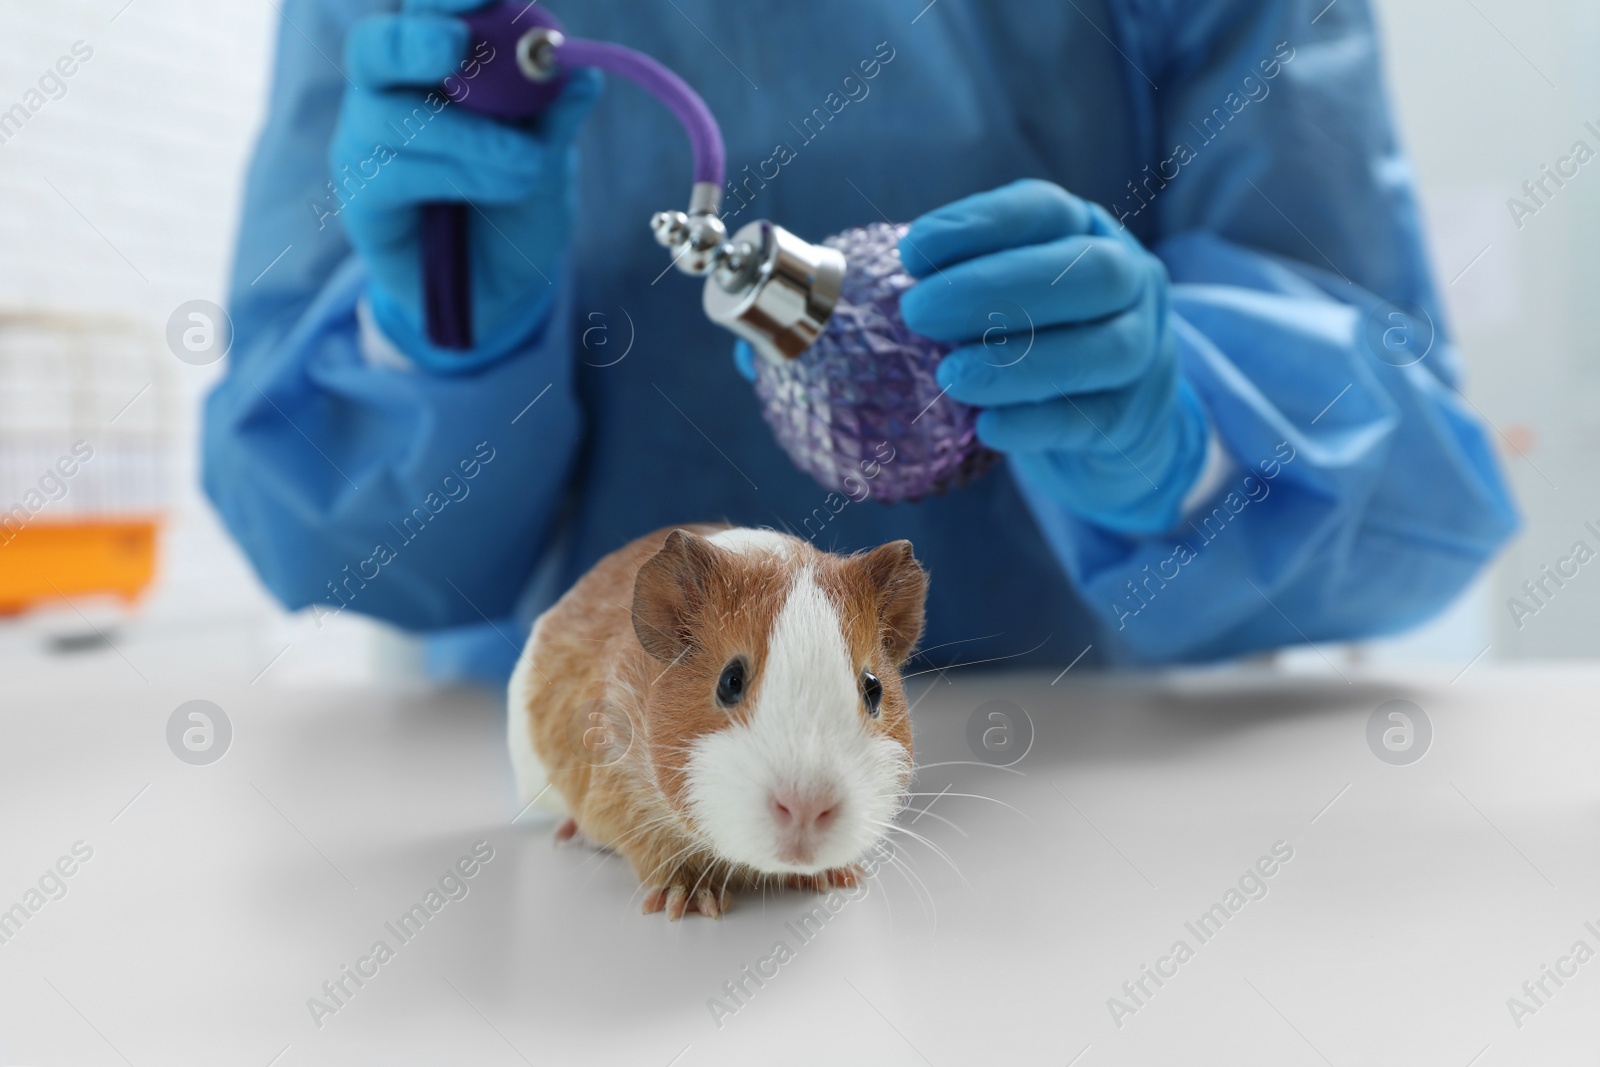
(723, 707)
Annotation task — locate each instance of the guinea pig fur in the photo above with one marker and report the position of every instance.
(723, 707)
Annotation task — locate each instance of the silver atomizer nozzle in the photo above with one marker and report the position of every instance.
(764, 284)
(777, 291)
(695, 237)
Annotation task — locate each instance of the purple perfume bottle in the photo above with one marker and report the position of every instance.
(860, 407)
(847, 389)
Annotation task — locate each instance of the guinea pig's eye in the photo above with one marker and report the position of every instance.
(730, 687)
(871, 692)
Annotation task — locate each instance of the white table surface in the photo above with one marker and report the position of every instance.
(219, 898)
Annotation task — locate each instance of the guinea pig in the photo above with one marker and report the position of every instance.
(723, 707)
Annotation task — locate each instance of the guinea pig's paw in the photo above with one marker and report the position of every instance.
(837, 878)
(570, 833)
(677, 899)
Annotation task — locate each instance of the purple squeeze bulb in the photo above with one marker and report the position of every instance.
(847, 389)
(861, 407)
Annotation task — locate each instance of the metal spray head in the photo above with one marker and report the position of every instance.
(775, 290)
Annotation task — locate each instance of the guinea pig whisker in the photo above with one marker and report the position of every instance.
(667, 866)
(947, 644)
(616, 847)
(974, 663)
(977, 796)
(914, 880)
(661, 870)
(682, 770)
(694, 848)
(932, 685)
(888, 903)
(598, 866)
(694, 890)
(645, 827)
(968, 763)
(924, 811)
(893, 828)
(936, 850)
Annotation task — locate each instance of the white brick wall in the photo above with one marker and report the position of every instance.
(146, 153)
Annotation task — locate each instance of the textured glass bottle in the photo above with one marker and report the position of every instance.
(861, 406)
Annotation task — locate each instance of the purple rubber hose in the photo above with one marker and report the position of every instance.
(705, 137)
(501, 90)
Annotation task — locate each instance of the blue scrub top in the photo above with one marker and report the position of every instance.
(1248, 143)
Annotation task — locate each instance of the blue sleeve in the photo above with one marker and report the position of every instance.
(1364, 494)
(421, 499)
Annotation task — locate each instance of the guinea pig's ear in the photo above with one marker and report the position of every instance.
(899, 585)
(669, 589)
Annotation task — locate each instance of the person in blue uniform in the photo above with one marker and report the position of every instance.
(1237, 426)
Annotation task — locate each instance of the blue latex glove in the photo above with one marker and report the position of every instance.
(1062, 318)
(401, 142)
(744, 360)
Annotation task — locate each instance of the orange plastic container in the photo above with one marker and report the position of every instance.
(46, 561)
(85, 450)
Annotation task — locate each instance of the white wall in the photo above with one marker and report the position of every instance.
(1487, 93)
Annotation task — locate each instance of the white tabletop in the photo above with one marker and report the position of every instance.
(1418, 898)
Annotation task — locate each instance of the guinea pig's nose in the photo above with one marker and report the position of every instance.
(803, 813)
(803, 818)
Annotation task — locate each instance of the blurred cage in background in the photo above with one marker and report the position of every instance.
(85, 479)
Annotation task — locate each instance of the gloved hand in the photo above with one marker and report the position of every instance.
(1062, 321)
(402, 149)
